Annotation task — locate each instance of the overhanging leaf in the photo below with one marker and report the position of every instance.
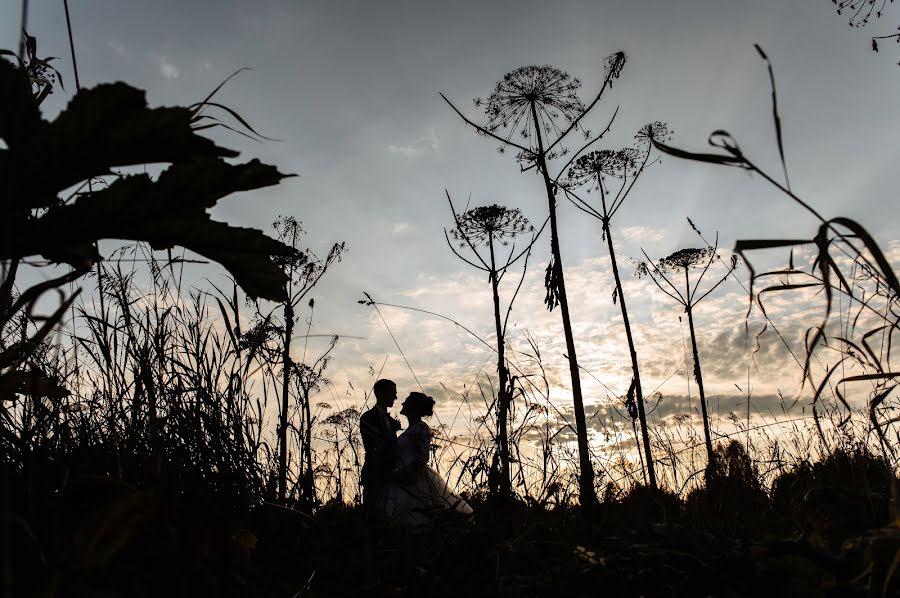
(102, 128)
(167, 212)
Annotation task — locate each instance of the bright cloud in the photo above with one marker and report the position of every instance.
(167, 69)
(118, 47)
(417, 148)
(442, 351)
(400, 228)
(643, 234)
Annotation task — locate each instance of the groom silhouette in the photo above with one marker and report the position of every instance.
(379, 436)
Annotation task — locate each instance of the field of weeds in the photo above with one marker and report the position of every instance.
(160, 438)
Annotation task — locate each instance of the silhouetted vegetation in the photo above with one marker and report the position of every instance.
(613, 174)
(860, 13)
(540, 107)
(156, 441)
(685, 260)
(491, 226)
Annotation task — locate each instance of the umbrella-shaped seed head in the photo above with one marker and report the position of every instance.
(552, 92)
(594, 166)
(684, 259)
(480, 224)
(613, 64)
(655, 131)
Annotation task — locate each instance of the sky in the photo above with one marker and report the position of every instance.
(351, 91)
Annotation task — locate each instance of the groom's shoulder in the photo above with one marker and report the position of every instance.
(369, 414)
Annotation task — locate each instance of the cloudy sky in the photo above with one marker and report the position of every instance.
(350, 88)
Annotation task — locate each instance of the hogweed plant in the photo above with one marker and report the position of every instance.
(303, 270)
(533, 110)
(860, 12)
(685, 260)
(849, 268)
(308, 380)
(613, 174)
(490, 228)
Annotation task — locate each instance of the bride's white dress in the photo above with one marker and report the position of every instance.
(418, 491)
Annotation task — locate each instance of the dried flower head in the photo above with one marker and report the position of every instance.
(342, 418)
(613, 65)
(684, 259)
(655, 131)
(860, 11)
(591, 168)
(550, 91)
(483, 223)
(289, 231)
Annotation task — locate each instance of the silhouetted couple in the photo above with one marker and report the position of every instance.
(398, 485)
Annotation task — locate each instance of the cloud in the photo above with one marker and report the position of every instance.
(400, 228)
(417, 148)
(643, 233)
(893, 254)
(167, 69)
(118, 47)
(451, 363)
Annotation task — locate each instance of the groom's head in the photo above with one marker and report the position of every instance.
(385, 392)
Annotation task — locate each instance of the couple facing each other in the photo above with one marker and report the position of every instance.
(397, 483)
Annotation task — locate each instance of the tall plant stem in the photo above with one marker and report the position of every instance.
(308, 487)
(503, 398)
(286, 377)
(586, 477)
(697, 375)
(639, 393)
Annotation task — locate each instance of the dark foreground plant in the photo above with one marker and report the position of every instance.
(685, 260)
(104, 128)
(539, 106)
(51, 210)
(112, 539)
(304, 270)
(849, 266)
(107, 127)
(613, 174)
(490, 227)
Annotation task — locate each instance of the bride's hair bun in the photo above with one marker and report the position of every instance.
(421, 403)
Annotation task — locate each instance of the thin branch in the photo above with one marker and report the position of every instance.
(465, 237)
(714, 287)
(457, 254)
(614, 69)
(581, 204)
(373, 303)
(483, 130)
(530, 245)
(587, 145)
(680, 298)
(519, 286)
(709, 262)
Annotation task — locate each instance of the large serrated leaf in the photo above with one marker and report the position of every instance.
(102, 128)
(110, 126)
(169, 211)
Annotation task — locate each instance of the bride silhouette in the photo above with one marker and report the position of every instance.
(416, 492)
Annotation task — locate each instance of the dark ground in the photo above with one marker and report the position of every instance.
(825, 529)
